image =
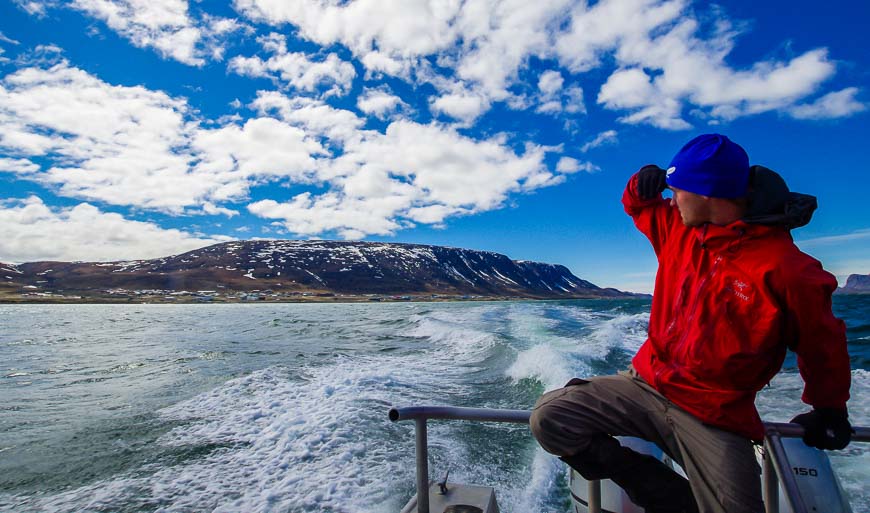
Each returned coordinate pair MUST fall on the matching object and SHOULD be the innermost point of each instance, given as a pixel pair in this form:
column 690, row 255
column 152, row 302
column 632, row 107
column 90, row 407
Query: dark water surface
column 283, row 407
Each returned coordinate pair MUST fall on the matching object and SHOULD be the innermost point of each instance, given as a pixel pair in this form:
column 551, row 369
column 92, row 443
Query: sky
column 134, row 129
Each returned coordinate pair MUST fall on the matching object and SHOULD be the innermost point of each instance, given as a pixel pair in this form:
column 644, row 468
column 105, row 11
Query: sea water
column 283, row 407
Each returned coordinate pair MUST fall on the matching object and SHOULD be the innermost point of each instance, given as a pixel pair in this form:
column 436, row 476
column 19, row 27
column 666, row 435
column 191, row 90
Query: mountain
column 856, row 284
column 276, row 269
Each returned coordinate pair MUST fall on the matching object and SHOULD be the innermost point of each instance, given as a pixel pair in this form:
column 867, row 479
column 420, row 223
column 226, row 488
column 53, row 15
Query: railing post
column 594, row 487
column 422, row 466
column 771, row 484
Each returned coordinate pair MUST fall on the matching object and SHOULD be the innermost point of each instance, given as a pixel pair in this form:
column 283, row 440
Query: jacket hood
column 771, row 202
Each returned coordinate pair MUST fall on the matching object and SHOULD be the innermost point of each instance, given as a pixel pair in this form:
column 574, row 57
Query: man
column 732, row 293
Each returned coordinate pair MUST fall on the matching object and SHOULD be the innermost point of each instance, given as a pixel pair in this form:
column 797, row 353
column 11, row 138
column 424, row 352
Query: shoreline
column 294, row 300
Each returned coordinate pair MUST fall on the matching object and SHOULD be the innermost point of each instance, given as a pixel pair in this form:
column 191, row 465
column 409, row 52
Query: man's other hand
column 826, row 428
column 651, row 181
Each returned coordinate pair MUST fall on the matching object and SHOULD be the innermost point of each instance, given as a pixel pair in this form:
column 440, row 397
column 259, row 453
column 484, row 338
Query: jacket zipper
column 680, row 346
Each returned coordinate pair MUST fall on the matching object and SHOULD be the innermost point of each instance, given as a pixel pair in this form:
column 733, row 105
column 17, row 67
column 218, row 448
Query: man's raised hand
column 651, row 181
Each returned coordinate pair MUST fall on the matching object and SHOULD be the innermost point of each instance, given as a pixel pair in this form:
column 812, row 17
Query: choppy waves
column 307, row 431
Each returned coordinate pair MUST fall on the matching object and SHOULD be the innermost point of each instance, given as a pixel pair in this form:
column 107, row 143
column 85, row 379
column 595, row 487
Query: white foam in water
column 283, row 445
column 310, row 444
column 548, row 358
column 544, row 363
column 626, row 332
column 318, row 445
column 556, row 359
column 553, row 360
column 545, row 469
column 304, row 446
column 545, row 360
column 453, row 331
column 528, row 326
column 319, row 441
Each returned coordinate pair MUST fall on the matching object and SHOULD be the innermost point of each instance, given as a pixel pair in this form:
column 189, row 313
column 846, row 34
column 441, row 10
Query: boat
column 795, row 478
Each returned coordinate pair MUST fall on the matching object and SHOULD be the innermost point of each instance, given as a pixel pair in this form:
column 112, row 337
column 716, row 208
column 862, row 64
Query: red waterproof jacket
column 728, row 301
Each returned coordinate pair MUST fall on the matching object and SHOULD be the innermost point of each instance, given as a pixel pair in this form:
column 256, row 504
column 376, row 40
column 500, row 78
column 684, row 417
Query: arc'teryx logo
column 741, row 290
column 671, row 170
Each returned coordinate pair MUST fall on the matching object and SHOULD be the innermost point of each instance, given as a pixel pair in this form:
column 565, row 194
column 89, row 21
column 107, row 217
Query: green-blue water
column 283, row 407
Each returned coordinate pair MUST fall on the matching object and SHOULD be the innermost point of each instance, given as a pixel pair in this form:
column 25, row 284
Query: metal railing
column 775, row 460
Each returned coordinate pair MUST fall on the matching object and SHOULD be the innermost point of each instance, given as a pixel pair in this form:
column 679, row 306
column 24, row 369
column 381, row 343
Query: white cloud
column 352, row 218
column 295, row 68
column 210, row 208
column 150, row 152
column 442, row 165
column 665, row 58
column 18, row 166
column 550, row 83
column 52, row 112
column 572, row 100
column 499, row 37
column 399, row 29
column 4, row 39
column 216, row 32
column 434, row 214
column 391, row 37
column 604, row 138
column 664, row 65
column 32, row 231
column 383, row 182
column 314, row 116
column 380, row 103
column 146, row 150
column 486, row 43
column 164, row 25
column 832, row 105
column 626, row 88
column 633, row 89
column 549, row 86
column 857, row 235
column 261, row 148
column 594, row 32
column 376, row 62
column 464, row 106
column 35, row 7
column 570, row 165
column 553, row 98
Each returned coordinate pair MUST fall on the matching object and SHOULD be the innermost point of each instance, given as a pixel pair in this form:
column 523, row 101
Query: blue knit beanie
column 711, row 165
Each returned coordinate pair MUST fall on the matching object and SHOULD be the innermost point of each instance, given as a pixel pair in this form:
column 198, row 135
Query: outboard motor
column 816, row 480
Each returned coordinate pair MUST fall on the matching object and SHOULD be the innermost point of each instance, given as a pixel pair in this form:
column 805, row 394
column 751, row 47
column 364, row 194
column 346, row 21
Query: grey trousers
column 721, row 466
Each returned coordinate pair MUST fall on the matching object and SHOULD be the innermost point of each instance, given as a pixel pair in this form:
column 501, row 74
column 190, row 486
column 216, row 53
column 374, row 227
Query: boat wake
column 308, row 432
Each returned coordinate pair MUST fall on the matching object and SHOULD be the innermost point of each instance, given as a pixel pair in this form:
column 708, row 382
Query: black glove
column 651, row 181
column 826, row 428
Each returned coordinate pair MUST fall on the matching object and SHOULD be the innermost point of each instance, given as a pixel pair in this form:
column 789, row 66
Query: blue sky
column 137, row 129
